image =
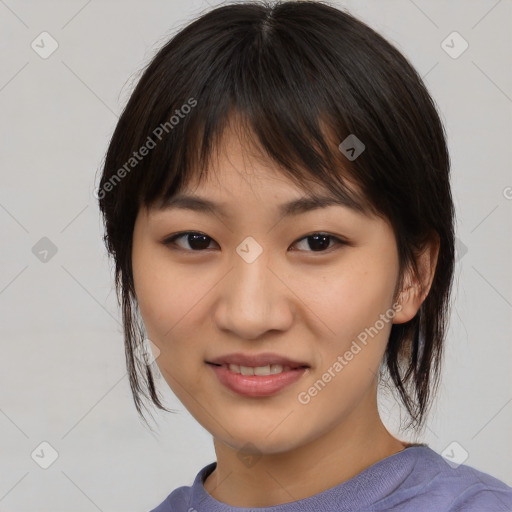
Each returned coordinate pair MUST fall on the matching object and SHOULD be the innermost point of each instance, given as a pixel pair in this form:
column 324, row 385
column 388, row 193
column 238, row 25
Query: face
column 303, row 300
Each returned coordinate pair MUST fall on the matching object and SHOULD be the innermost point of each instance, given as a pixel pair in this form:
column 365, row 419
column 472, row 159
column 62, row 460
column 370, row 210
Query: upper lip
column 257, row 360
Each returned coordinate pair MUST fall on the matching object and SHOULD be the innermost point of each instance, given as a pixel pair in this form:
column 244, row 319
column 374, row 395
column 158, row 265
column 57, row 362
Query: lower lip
column 257, row 385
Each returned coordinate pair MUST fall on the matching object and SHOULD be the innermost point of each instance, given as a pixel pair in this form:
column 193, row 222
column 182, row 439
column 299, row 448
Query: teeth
column 262, row 370
column 269, row 369
column 246, row 370
column 275, row 368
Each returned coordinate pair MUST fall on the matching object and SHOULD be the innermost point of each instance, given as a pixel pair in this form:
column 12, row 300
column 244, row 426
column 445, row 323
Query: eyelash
column 170, row 241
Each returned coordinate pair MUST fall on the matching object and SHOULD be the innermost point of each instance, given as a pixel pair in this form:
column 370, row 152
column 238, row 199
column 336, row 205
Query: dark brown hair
column 301, row 76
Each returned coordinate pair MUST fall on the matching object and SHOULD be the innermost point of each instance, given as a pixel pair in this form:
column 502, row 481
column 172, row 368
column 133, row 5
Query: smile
column 262, row 380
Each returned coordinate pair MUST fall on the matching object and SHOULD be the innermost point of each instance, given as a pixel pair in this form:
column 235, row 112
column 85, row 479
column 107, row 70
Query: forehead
column 237, row 158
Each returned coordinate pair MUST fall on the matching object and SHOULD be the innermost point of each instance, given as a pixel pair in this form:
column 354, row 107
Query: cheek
column 163, row 304
column 171, row 302
column 353, row 298
column 350, row 356
column 349, row 297
column 162, row 294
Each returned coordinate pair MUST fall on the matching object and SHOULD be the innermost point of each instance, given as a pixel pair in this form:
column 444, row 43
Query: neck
column 272, row 479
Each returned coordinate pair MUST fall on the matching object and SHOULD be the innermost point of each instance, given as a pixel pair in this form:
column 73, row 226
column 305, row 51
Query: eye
column 319, row 242
column 198, row 242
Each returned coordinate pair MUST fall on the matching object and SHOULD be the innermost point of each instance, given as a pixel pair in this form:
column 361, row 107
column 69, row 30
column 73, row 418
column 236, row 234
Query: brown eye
column 319, row 242
column 195, row 241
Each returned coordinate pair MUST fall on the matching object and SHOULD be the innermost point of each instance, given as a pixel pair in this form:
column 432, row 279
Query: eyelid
column 170, row 240
column 338, row 240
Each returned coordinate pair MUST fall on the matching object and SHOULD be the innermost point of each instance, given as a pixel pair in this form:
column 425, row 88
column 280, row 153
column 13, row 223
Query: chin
column 257, row 441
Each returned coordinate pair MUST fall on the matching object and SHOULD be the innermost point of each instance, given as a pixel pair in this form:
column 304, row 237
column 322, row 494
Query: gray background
column 62, row 373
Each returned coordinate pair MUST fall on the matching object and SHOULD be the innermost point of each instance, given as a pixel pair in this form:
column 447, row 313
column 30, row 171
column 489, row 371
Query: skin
column 305, row 304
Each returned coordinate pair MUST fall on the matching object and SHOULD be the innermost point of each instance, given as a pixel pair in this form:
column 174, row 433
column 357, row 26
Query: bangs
column 291, row 154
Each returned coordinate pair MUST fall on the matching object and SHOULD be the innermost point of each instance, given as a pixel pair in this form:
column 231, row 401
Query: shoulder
column 177, row 500
column 437, row 483
column 180, row 498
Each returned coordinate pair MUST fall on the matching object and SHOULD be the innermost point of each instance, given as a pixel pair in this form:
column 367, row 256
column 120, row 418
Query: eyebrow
column 292, row 208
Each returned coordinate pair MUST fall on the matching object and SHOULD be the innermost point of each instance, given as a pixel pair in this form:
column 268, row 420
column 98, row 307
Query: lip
column 257, row 360
column 257, row 385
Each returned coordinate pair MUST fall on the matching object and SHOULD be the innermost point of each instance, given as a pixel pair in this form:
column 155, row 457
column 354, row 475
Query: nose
column 253, row 299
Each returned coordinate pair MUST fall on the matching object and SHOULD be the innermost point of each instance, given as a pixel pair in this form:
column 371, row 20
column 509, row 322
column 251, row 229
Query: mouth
column 257, row 364
column 257, row 375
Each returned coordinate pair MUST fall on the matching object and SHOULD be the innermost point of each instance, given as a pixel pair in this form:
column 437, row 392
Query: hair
column 300, row 76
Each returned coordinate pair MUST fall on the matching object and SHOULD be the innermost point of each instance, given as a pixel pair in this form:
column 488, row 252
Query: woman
column 276, row 198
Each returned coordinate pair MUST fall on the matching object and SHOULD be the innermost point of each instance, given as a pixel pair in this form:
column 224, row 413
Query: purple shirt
column 415, row 479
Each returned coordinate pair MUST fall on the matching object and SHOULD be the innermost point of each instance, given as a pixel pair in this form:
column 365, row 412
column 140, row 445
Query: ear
column 416, row 289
